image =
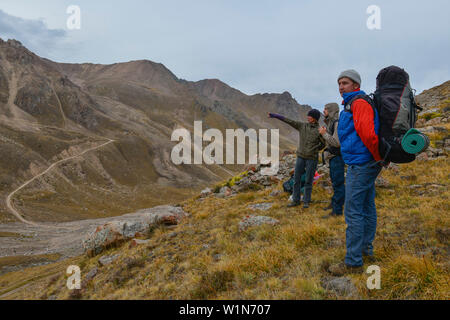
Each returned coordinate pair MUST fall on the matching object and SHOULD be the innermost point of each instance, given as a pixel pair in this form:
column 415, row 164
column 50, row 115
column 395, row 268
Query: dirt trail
column 60, row 105
column 9, row 197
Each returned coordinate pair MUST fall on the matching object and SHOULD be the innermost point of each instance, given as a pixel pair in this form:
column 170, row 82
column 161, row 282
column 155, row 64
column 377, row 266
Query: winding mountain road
column 10, row 196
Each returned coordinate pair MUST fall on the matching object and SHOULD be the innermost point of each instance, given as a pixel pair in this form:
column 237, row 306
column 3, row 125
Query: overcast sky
column 255, row 46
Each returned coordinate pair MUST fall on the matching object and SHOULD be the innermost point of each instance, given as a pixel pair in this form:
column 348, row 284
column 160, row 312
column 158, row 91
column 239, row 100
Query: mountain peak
column 14, row 43
column 216, row 89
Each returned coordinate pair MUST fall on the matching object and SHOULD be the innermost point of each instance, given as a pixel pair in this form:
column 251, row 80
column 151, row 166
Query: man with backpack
column 332, row 154
column 373, row 131
column 310, row 143
column 358, row 135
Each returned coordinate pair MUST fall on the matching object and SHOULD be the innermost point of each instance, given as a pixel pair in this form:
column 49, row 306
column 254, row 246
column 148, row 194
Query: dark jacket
column 310, row 140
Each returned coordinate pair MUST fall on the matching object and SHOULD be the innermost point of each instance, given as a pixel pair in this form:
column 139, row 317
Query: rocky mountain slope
column 237, row 240
column 51, row 111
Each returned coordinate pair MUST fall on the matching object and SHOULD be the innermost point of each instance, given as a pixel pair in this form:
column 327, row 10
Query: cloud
column 33, row 34
column 254, row 46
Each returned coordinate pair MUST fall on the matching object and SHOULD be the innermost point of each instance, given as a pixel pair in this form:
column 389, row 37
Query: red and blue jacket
column 358, row 131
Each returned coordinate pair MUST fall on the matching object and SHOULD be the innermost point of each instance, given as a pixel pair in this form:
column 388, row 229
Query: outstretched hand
column 322, row 130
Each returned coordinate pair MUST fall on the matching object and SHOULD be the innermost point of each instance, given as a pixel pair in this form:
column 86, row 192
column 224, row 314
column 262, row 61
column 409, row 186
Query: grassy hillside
column 50, row 110
column 207, row 257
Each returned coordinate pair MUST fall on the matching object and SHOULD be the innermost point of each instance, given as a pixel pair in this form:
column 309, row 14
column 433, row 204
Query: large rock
column 105, row 260
column 112, row 233
column 422, row 157
column 260, row 206
column 434, row 121
column 137, row 242
column 116, row 232
column 381, row 182
column 342, row 286
column 251, row 221
column 167, row 215
column 420, row 123
column 205, row 192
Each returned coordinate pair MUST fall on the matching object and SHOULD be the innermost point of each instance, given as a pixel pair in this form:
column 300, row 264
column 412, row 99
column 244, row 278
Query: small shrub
column 431, row 115
column 212, row 283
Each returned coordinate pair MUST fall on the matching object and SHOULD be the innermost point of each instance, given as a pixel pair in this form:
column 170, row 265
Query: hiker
column 358, row 135
column 332, row 154
column 310, row 143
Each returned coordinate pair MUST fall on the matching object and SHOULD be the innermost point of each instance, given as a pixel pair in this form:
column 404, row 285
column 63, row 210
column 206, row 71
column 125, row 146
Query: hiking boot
column 305, row 205
column 328, row 208
column 369, row 258
column 341, row 269
column 332, row 214
column 293, row 204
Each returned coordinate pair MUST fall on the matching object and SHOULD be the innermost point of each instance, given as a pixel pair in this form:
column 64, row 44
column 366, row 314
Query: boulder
column 166, row 215
column 446, row 142
column 434, row 152
column 251, row 221
column 275, row 193
column 205, row 192
column 381, row 182
column 91, row 274
column 422, row 157
column 342, row 286
column 115, row 232
column 110, row 234
column 260, row 206
column 428, row 129
column 226, row 191
column 394, row 167
column 434, row 121
column 105, row 260
column 420, row 123
column 409, row 178
column 136, row 242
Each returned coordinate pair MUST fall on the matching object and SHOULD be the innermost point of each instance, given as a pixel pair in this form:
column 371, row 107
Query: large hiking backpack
column 397, row 112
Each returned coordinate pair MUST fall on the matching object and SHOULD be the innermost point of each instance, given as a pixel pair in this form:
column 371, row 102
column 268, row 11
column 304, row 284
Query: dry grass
column 10, row 234
column 26, row 260
column 207, row 257
column 32, row 283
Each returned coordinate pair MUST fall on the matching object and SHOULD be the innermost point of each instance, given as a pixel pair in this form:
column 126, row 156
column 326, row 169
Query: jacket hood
column 333, row 111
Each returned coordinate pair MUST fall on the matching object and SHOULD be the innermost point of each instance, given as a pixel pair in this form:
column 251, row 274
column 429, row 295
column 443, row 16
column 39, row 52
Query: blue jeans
column 360, row 211
column 308, row 167
column 337, row 176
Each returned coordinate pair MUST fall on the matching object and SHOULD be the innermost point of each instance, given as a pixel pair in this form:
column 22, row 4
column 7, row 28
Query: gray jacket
column 331, row 136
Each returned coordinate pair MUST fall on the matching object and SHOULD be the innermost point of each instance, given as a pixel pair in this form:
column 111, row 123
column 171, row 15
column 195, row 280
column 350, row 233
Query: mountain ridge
column 46, row 108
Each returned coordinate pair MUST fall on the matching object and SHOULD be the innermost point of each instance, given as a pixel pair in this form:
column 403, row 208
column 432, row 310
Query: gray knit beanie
column 351, row 74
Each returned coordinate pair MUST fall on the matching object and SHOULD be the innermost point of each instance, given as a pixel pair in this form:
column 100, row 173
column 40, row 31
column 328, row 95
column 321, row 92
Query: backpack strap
column 372, row 100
